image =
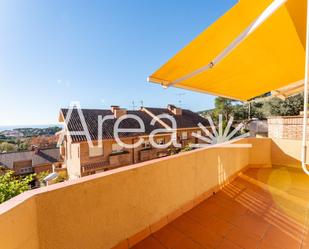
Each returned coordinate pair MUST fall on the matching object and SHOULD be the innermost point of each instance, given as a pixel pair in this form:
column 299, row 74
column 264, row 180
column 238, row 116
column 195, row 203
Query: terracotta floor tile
column 283, row 239
column 227, row 208
column 133, row 240
column 216, row 224
column 228, row 193
column 266, row 245
column 187, row 243
column 254, row 200
column 240, row 216
column 287, row 222
column 305, row 243
column 229, row 214
column 243, row 239
column 169, row 236
column 225, row 244
column 149, row 243
column 253, row 223
column 208, row 207
column 241, row 183
column 292, row 214
column 195, row 231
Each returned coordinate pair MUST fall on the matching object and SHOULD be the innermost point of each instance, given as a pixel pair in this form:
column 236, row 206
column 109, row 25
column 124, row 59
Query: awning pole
column 305, row 120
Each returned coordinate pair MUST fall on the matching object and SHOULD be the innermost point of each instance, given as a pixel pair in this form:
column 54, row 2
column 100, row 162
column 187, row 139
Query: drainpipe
column 305, row 120
column 133, row 157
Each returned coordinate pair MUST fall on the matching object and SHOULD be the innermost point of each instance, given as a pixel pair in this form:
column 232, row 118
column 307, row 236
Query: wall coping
column 285, row 117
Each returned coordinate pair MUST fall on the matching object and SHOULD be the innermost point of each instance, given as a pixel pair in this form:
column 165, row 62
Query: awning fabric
column 290, row 90
column 273, row 56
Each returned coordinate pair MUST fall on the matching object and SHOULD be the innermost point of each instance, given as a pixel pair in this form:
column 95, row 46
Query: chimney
column 175, row 110
column 114, row 107
column 117, row 111
column 35, row 149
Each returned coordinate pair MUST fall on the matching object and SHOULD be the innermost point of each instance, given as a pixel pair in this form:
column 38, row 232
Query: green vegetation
column 21, row 139
column 11, row 185
column 261, row 108
column 8, row 147
column 62, row 176
column 40, row 177
column 188, row 147
column 33, row 132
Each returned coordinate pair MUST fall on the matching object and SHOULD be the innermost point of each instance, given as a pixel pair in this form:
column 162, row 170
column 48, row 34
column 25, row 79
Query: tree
column 7, row 147
column 260, row 108
column 40, row 177
column 223, row 106
column 44, row 141
column 289, row 107
column 11, row 185
column 62, row 176
column 22, row 146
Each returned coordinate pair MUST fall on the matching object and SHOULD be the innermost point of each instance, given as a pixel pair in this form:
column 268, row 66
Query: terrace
column 207, row 198
column 212, row 198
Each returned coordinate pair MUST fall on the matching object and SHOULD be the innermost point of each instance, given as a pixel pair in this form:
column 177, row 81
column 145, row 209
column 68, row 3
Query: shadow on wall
column 286, row 152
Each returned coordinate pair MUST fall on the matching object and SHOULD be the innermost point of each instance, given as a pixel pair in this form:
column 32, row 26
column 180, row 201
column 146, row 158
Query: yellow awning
column 270, row 57
column 289, row 90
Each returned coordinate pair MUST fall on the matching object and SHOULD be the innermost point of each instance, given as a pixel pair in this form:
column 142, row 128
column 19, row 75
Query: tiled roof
column 188, row 119
column 91, row 120
column 45, row 156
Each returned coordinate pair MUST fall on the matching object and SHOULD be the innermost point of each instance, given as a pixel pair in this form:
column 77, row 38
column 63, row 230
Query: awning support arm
column 275, row 5
column 305, row 118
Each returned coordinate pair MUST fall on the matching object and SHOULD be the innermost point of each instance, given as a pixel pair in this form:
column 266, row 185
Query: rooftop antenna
column 133, row 105
column 179, row 100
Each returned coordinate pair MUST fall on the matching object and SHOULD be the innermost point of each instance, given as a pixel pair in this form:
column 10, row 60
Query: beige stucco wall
column 287, row 152
column 72, row 160
column 98, row 211
column 260, row 153
column 18, row 226
column 119, row 205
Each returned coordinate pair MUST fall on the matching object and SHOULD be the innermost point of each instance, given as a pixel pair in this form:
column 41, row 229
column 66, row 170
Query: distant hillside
column 206, row 112
column 32, row 132
column 21, row 139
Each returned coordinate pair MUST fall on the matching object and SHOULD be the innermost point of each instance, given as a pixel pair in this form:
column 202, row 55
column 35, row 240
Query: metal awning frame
column 271, row 9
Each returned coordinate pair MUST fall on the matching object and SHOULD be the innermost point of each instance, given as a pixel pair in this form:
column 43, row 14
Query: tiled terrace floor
column 244, row 215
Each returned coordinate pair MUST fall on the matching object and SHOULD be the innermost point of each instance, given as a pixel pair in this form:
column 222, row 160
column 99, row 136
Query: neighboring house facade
column 286, row 127
column 81, row 160
column 34, row 161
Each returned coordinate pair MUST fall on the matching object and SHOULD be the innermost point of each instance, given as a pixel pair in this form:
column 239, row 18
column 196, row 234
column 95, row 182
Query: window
column 26, row 170
column 116, row 148
column 95, row 151
column 198, row 132
column 184, row 135
column 146, row 144
column 160, row 141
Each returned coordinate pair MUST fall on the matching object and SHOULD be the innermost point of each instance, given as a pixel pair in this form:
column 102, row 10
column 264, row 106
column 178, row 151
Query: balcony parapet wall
column 102, row 210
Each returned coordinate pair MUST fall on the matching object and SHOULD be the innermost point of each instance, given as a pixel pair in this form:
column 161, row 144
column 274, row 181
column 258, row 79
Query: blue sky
column 96, row 52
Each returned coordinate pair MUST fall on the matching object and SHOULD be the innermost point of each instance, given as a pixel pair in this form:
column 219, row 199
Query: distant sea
column 12, row 127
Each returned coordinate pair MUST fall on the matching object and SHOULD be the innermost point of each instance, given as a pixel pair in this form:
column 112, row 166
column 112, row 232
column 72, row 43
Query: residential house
column 34, row 161
column 80, row 159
